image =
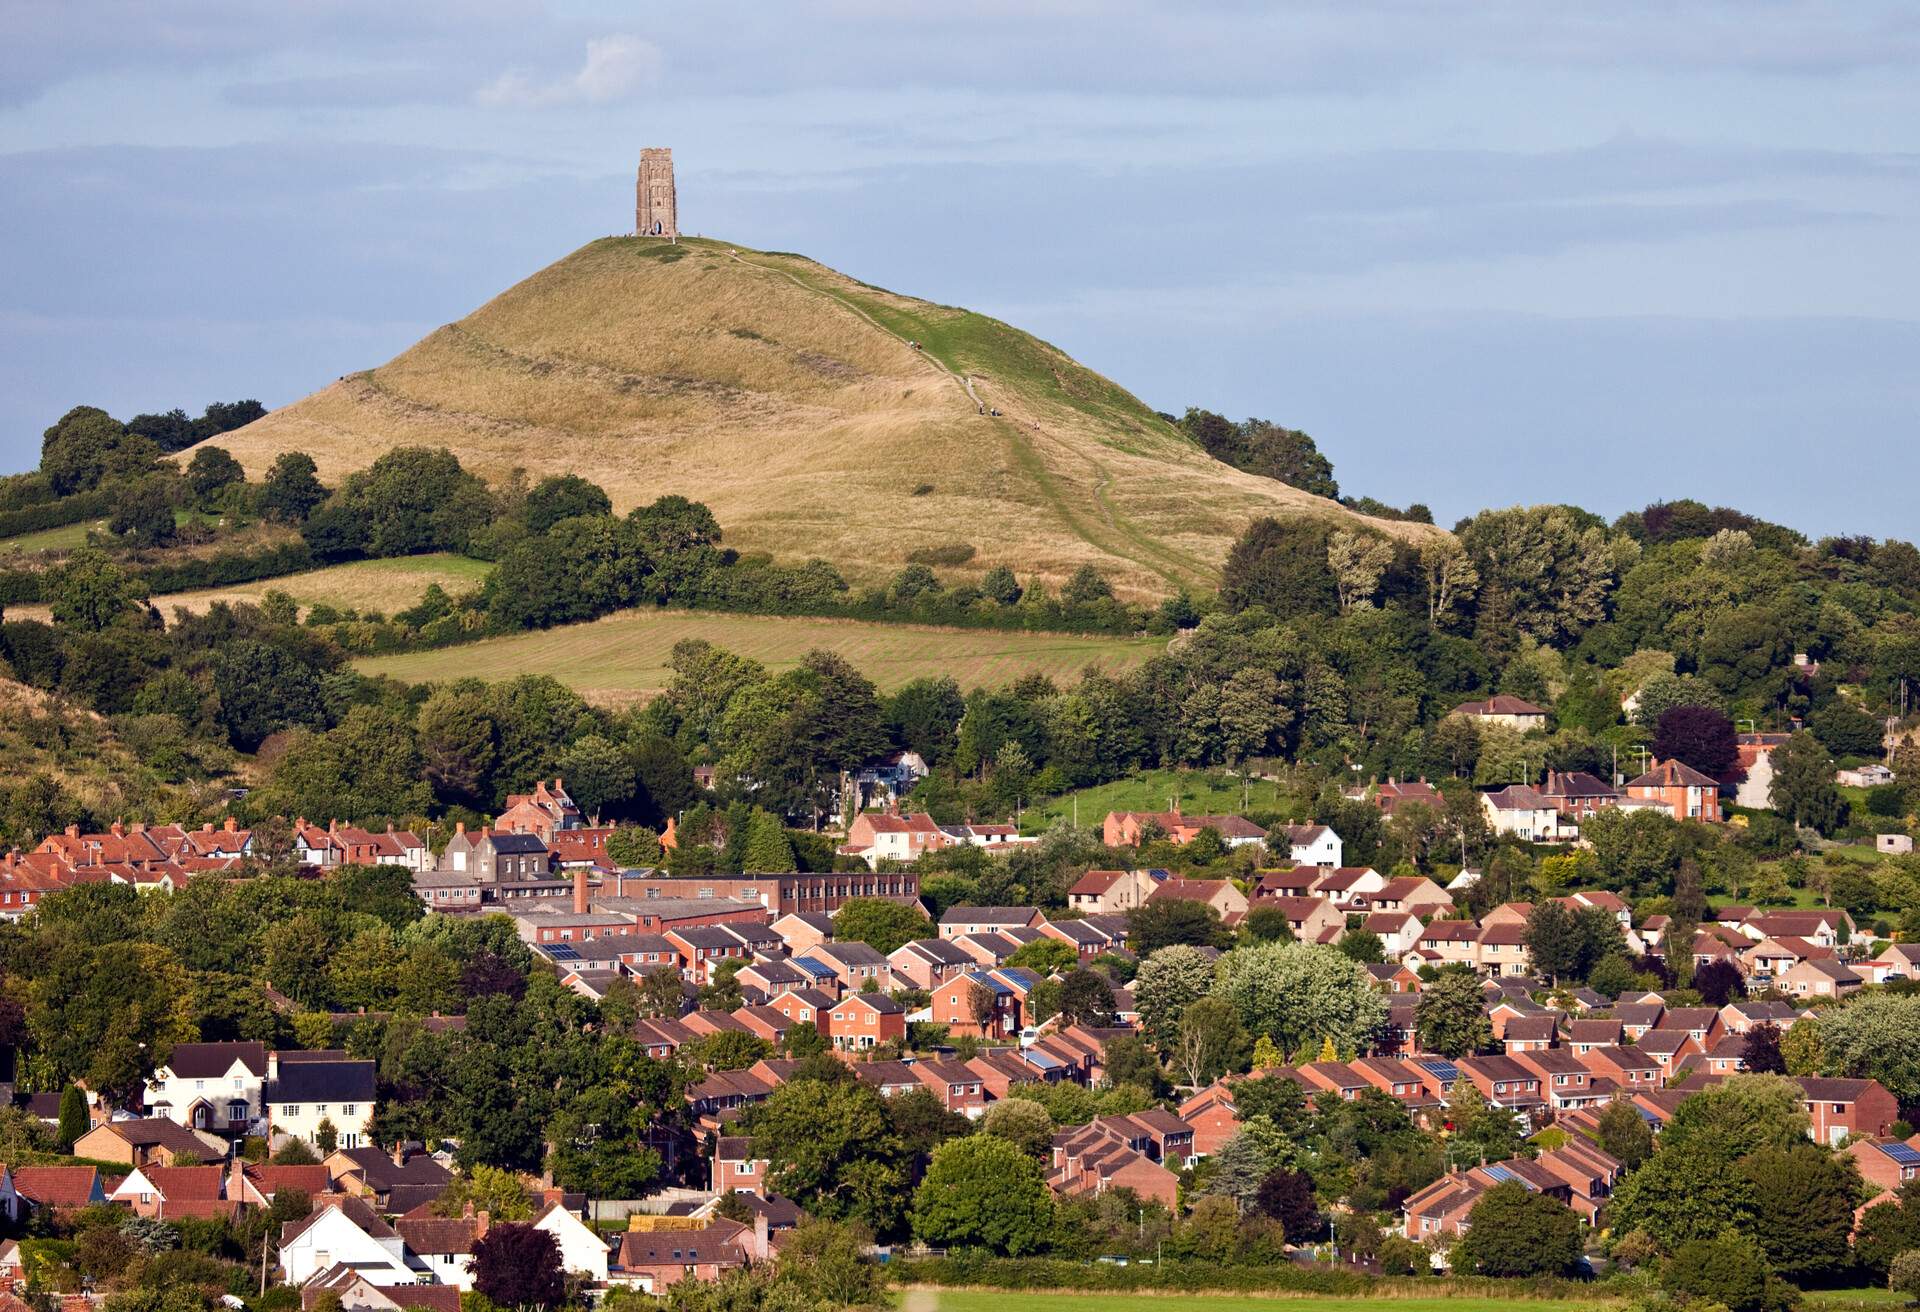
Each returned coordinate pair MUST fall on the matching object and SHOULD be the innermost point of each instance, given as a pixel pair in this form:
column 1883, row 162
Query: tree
column 1449, row 576
column 1514, row 1232
column 1357, row 561
column 828, row 1261
column 1552, row 572
column 1299, row 994
column 211, row 471
column 90, row 592
column 983, row 1191
column 73, row 1117
column 1625, row 1134
column 518, row 1266
column 291, row 489
column 1450, row 1015
column 1086, row 998
column 1045, row 956
column 326, row 1136
column 1266, row 924
column 563, row 496
column 1564, row 942
column 1803, row 1208
column 1263, row 448
column 1903, row 1276
column 768, row 850
column 1698, row 736
column 881, row 924
column 1024, row 1124
column 598, row 774
column 1724, row 1269
column 1742, row 1114
column 88, row 448
column 1762, row 1055
column 832, row 1149
column 1164, row 922
column 1873, row 1037
column 143, row 513
column 1717, row 983
column 1362, row 946
column 1287, row 1196
column 1165, row 984
column 1281, row 567
column 1210, row 1043
column 263, row 689
column 1803, row 789
column 1681, row 1194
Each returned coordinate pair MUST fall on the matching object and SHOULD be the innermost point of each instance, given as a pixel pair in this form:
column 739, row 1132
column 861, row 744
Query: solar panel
column 1444, row 1071
column 1901, row 1154
column 1501, row 1173
column 561, row 952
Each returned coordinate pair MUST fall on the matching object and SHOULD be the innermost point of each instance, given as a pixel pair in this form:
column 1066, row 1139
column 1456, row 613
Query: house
column 1523, row 812
column 1393, row 793
column 1510, row 712
column 164, row 1192
column 1625, row 1065
column 1577, row 794
column 1220, row 894
column 1565, row 1080
column 865, row 1020
column 927, row 963
column 735, row 1168
column 583, row 1252
column 58, row 1187
column 1827, row 927
column 304, row 1090
column 701, row 949
column 1502, row 950
column 1128, row 828
column 1682, row 790
column 1451, row 942
column 881, row 783
column 655, row 1253
column 805, row 1006
column 977, row 1003
column 393, row 1182
column 495, row 856
column 149, row 1141
column 1820, row 978
column 957, row 1085
column 1896, row 961
column 1414, row 893
column 1837, row 1108
column 1312, row 845
column 356, row 1293
column 1749, row 782
column 1590, row 1172
column 1864, row 776
column 1311, row 919
column 346, row 1231
column 803, row 931
column 855, row 965
column 1504, row 1082
column 545, row 811
column 1393, row 976
column 1397, row 931
column 1886, row 1164
column 1442, row 1208
column 963, row 920
column 1611, row 903
column 1350, row 887
column 876, row 837
column 1110, row 892
column 443, row 1245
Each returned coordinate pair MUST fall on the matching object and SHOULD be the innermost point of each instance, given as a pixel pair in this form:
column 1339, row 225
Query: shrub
column 950, row 553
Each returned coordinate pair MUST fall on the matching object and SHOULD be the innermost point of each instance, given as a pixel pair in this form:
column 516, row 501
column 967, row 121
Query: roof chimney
column 232, row 825
column 459, row 826
column 115, row 829
column 580, row 891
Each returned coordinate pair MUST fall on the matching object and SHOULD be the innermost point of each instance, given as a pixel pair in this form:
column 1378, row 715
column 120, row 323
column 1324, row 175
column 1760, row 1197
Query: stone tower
column 654, row 211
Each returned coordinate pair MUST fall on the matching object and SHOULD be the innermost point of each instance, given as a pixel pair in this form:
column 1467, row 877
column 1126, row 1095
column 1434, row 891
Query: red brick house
column 865, row 1020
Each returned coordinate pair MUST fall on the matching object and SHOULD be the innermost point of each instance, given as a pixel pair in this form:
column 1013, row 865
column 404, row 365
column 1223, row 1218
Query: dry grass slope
column 784, row 395
column 623, row 658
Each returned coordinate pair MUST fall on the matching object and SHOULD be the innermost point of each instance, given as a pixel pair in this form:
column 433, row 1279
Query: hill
column 792, row 400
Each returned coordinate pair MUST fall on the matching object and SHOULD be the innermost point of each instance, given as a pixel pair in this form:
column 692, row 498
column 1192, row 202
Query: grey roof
column 518, row 843
column 322, row 1081
column 199, row 1061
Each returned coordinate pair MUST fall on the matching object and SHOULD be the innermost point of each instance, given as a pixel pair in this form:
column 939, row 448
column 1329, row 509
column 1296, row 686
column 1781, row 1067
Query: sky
column 1488, row 252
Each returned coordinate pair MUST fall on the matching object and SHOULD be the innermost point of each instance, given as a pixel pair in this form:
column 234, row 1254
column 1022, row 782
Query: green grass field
column 624, row 657
column 64, row 538
column 1000, row 1300
column 1199, row 792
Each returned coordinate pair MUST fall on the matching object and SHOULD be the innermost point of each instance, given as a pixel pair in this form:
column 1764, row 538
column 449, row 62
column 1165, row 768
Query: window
column 291, row 1109
column 346, row 1109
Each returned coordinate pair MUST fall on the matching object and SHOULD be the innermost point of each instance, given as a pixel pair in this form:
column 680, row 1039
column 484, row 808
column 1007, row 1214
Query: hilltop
column 793, row 400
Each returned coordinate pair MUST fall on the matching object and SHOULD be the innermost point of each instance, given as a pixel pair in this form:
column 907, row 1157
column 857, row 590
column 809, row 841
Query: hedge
column 981, row 1271
column 75, row 509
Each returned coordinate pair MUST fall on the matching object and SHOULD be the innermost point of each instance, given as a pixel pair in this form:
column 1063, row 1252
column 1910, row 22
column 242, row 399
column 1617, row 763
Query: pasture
column 623, row 658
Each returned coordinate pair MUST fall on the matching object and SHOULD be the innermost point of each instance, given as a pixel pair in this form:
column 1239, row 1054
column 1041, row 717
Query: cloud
column 616, row 67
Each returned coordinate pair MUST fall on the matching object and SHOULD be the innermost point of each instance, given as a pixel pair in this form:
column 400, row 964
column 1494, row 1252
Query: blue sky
column 1486, row 252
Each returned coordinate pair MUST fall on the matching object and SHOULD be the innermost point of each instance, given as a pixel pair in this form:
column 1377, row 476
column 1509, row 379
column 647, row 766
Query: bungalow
column 961, row 920
column 656, row 1253
column 1824, row 978
column 1393, row 794
column 149, row 1141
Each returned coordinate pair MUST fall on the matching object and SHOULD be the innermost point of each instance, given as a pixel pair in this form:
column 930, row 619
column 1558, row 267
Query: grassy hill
column 623, row 657
column 787, row 397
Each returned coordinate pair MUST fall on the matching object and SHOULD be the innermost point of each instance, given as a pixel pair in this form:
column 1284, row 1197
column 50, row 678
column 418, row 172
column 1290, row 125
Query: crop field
column 363, row 585
column 1000, row 1300
column 623, row 658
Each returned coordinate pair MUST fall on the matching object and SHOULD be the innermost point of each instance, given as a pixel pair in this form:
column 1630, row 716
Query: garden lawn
column 1001, row 1300
column 623, row 658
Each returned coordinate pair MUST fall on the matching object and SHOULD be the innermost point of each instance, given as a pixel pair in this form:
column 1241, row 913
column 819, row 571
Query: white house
column 1313, row 845
column 211, row 1086
column 582, row 1252
column 305, row 1090
column 442, row 1246
column 347, row 1231
column 1523, row 812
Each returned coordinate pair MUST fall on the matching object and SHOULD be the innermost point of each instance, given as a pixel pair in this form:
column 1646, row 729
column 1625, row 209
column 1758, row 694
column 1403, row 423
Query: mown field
column 1000, row 1300
column 64, row 538
column 624, row 657
column 363, row 585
